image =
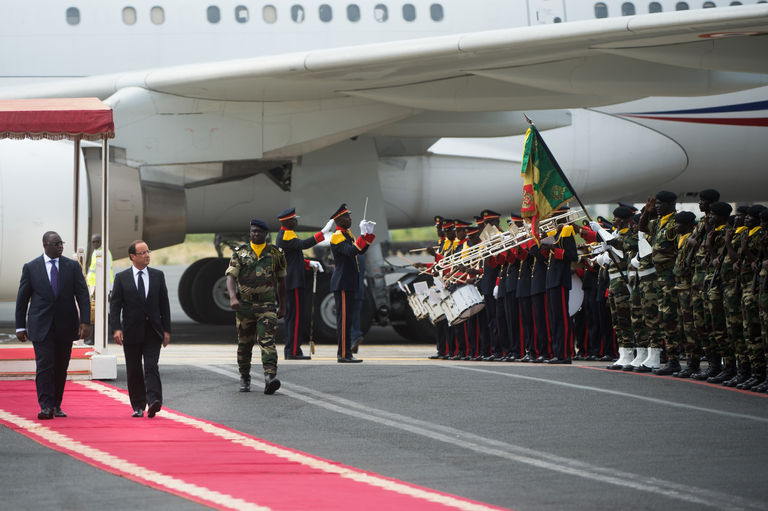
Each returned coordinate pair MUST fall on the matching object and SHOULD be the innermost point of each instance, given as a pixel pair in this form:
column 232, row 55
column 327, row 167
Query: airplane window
column 297, row 13
column 326, row 13
column 735, row 3
column 213, row 13
column 381, row 13
column 627, row 9
column 353, row 12
column 73, row 15
column 269, row 14
column 409, row 12
column 708, row 5
column 601, row 10
column 682, row 6
column 436, row 12
column 654, row 7
column 129, row 15
column 241, row 14
column 157, row 15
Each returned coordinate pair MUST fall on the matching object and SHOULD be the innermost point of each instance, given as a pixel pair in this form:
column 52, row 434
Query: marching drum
column 417, row 306
column 467, row 300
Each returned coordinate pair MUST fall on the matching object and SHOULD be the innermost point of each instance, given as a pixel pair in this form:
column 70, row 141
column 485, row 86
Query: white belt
column 616, row 275
column 646, row 272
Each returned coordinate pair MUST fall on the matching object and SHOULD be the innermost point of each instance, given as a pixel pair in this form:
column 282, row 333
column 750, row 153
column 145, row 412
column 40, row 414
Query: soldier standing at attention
column 296, row 310
column 763, row 292
column 618, row 292
column 663, row 239
column 255, row 280
column 559, row 256
column 732, row 295
column 345, row 277
column 685, row 222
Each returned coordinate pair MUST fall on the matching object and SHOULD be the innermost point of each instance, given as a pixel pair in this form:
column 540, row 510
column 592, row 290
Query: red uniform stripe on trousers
column 343, row 324
column 566, row 330
column 296, row 322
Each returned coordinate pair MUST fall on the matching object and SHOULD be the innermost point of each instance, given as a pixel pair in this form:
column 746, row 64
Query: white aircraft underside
column 217, row 123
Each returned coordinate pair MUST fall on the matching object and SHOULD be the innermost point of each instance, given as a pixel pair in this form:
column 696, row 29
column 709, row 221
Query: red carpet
column 203, row 461
column 28, row 353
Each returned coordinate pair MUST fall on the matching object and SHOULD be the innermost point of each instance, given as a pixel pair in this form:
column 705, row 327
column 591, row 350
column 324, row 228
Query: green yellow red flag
column 545, row 187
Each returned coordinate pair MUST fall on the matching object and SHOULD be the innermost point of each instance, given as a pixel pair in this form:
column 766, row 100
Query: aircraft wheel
column 209, row 293
column 324, row 311
column 419, row 330
column 185, row 288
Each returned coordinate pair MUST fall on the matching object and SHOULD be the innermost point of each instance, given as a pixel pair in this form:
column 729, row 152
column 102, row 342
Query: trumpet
column 569, row 217
column 492, row 246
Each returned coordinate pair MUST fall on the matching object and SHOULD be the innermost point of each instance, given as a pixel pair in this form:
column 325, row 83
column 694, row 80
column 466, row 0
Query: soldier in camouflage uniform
column 715, row 242
column 732, row 297
column 663, row 238
column 685, row 222
column 748, row 271
column 763, row 293
column 255, row 280
column 700, row 258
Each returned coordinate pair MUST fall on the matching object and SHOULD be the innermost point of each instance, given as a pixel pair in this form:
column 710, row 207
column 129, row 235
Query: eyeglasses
column 143, row 253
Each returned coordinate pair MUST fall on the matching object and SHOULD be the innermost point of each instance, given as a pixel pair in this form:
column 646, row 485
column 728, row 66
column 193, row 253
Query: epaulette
column 741, row 229
column 567, row 231
column 338, row 237
column 288, row 235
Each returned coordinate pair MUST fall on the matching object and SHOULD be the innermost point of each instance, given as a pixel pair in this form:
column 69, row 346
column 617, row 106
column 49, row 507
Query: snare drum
column 417, row 306
column 469, row 300
column 450, row 309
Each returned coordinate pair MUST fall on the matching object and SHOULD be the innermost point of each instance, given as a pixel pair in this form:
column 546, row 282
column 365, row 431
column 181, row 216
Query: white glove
column 599, row 250
column 366, row 227
column 594, row 226
column 635, row 262
column 496, row 292
column 316, row 266
column 328, row 229
column 644, row 248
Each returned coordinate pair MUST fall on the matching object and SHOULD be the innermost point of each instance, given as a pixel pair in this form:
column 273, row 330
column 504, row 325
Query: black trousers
column 487, row 325
column 144, row 385
column 592, row 343
column 541, row 325
column 343, row 301
column 526, row 319
column 297, row 312
column 514, row 325
column 503, row 341
column 51, row 362
column 441, row 337
column 560, row 324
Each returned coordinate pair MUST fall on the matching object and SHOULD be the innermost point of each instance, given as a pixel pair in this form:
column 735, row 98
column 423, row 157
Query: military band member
column 296, row 310
column 441, row 327
column 560, row 254
column 488, row 321
column 255, row 281
column 344, row 280
column 512, row 307
column 523, row 295
column 539, row 305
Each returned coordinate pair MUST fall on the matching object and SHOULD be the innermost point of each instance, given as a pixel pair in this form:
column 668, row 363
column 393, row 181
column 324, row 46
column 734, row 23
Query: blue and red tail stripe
column 754, row 113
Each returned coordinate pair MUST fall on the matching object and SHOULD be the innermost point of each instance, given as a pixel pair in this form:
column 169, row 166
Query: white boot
column 642, row 353
column 625, row 357
column 653, row 360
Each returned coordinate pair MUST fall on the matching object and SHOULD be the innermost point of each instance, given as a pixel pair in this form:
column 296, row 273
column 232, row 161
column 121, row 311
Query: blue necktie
column 54, row 278
column 140, row 286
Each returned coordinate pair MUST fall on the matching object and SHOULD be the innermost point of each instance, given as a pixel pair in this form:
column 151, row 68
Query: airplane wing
column 294, row 103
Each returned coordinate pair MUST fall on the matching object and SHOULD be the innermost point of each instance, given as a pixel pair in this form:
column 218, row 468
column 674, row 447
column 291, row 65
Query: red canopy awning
column 56, row 119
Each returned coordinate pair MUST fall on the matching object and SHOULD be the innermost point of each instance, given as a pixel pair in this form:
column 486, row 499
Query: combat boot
column 726, row 374
column 245, row 384
column 710, row 372
column 271, row 384
column 688, row 371
column 742, row 375
column 756, row 379
column 671, row 367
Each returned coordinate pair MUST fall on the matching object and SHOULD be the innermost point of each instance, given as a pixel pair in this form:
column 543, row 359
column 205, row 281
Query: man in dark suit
column 53, row 283
column 140, row 294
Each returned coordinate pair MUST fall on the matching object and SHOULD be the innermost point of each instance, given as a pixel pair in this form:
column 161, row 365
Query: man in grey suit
column 52, row 301
column 140, row 294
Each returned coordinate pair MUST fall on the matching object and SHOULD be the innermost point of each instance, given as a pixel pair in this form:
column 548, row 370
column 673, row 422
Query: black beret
column 260, row 223
column 720, row 208
column 764, row 215
column 622, row 212
column 756, row 210
column 666, row 196
column 709, row 195
column 685, row 217
column 626, row 205
column 742, row 209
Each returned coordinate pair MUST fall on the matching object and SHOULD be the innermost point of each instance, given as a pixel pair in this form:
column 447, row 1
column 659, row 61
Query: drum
column 468, row 301
column 417, row 306
column 450, row 309
column 435, row 311
column 576, row 296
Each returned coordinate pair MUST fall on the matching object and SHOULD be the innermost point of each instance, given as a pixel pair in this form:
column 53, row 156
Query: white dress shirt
column 144, row 277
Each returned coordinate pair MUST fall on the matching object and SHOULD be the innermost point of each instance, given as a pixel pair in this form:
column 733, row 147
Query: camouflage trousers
column 686, row 323
column 750, row 309
column 718, row 333
column 639, row 328
column 669, row 321
column 763, row 306
column 256, row 324
column 621, row 312
column 701, row 318
column 649, row 295
column 734, row 320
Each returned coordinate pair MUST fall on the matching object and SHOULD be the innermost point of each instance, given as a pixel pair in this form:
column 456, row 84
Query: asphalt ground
column 519, row 436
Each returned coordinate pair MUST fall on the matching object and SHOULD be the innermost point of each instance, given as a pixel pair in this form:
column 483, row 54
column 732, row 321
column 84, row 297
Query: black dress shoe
column 526, row 358
column 138, row 413
column 45, row 414
column 298, row 357
column 539, row 360
column 555, row 360
column 245, row 384
column 435, row 357
column 271, row 384
column 591, row 358
column 643, row 369
column 356, row 344
column 353, row 360
column 154, row 408
column 673, row 366
column 608, row 358
column 58, row 412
